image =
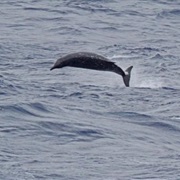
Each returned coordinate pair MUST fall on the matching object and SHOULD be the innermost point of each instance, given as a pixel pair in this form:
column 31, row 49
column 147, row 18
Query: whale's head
column 52, row 68
column 58, row 64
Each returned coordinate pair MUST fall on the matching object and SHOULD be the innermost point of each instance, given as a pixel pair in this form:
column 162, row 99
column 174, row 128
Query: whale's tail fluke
column 127, row 76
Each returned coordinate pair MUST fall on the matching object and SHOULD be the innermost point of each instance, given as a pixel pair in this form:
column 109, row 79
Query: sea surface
column 77, row 124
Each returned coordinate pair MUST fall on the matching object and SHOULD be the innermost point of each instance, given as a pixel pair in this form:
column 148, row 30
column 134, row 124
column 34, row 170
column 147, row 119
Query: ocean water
column 72, row 123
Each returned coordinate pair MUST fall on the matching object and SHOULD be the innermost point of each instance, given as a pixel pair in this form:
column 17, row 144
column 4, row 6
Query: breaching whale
column 93, row 61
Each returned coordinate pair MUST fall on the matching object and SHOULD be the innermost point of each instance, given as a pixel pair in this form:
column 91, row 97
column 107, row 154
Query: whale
column 92, row 61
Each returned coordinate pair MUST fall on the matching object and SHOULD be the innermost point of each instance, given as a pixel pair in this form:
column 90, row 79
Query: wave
column 70, row 132
column 91, row 6
column 8, row 87
column 161, row 124
column 25, row 111
column 169, row 13
column 152, row 121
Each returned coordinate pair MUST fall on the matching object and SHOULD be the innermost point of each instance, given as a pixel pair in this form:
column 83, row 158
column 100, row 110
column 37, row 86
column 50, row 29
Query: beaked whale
column 93, row 61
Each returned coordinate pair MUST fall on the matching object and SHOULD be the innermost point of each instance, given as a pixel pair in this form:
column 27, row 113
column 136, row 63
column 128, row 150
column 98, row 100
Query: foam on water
column 149, row 83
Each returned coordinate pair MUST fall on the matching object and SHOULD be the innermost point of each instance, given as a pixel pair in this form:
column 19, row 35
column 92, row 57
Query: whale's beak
column 52, row 68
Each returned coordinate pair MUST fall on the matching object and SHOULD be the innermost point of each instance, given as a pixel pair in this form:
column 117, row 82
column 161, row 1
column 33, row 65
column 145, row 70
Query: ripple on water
column 24, row 111
column 169, row 13
column 69, row 132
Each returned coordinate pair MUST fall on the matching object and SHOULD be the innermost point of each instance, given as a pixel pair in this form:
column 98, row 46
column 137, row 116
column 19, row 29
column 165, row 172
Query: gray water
column 74, row 123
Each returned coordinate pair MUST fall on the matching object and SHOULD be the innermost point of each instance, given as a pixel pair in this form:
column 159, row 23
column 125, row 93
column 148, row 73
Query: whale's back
column 84, row 60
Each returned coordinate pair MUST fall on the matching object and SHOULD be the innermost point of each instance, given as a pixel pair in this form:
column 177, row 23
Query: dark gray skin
column 89, row 61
